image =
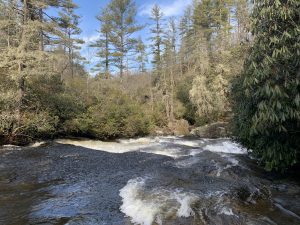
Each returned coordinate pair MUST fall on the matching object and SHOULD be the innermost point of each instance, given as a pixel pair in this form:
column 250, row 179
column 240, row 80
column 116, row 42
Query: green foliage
column 157, row 36
column 141, row 57
column 35, row 123
column 112, row 117
column 38, row 125
column 183, row 95
column 267, row 94
column 33, row 126
column 123, row 25
column 211, row 16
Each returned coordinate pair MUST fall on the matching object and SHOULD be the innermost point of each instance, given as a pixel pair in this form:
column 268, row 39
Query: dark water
column 147, row 181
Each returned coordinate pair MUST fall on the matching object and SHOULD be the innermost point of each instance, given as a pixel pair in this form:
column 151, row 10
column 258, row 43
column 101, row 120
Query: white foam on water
column 232, row 161
column 180, row 141
column 218, row 194
column 159, row 145
column 145, row 207
column 171, row 152
column 141, row 212
column 196, row 151
column 226, row 211
column 10, row 147
column 112, row 147
column 145, row 140
column 226, row 147
column 37, row 144
column 185, row 201
column 169, row 137
column 188, row 143
column 147, row 145
column 187, row 162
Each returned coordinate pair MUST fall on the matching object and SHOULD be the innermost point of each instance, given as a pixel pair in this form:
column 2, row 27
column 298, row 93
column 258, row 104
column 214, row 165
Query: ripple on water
column 204, row 182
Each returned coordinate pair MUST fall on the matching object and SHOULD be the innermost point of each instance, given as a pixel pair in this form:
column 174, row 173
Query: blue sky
column 89, row 9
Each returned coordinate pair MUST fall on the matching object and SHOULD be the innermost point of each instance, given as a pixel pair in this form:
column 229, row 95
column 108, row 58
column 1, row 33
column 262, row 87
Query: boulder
column 213, row 130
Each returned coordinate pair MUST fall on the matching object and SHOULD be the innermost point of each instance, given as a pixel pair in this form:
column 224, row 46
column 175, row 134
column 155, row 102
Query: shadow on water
column 17, row 200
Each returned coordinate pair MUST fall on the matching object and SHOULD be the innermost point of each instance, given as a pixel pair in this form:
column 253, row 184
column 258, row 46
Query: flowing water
column 147, row 181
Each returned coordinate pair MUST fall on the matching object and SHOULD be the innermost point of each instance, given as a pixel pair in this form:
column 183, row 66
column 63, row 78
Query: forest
column 230, row 61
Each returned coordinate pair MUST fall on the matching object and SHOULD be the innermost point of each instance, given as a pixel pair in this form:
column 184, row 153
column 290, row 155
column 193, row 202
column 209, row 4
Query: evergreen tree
column 8, row 22
column 210, row 59
column 186, row 23
column 210, row 16
column 23, row 59
column 104, row 44
column 267, row 95
column 187, row 35
column 123, row 26
column 141, row 55
column 69, row 22
column 157, row 36
column 169, row 62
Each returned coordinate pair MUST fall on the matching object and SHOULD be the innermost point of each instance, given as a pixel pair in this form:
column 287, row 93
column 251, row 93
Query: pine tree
column 267, row 93
column 69, row 22
column 186, row 23
column 103, row 44
column 23, row 58
column 210, row 16
column 187, row 37
column 141, row 55
column 157, row 36
column 123, row 26
column 209, row 59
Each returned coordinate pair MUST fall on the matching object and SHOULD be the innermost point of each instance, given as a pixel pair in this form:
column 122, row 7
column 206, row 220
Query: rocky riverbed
column 161, row 180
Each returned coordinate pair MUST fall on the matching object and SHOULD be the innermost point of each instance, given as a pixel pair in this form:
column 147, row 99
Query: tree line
column 234, row 61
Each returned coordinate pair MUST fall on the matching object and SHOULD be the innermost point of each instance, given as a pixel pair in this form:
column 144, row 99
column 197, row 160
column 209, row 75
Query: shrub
column 113, row 116
column 267, row 102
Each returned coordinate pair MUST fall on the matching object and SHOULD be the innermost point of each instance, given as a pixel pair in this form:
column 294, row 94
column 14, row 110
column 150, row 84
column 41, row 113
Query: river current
column 147, row 181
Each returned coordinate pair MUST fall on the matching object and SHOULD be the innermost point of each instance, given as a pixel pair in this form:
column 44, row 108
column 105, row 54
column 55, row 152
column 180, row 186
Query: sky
column 89, row 9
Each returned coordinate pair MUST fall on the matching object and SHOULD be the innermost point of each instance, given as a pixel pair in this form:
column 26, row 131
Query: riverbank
column 177, row 128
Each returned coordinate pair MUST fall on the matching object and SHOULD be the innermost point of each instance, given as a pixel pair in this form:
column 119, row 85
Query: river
column 148, row 181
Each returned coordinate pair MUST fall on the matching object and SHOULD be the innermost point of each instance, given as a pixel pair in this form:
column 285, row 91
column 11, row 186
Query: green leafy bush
column 113, row 116
column 183, row 95
column 267, row 99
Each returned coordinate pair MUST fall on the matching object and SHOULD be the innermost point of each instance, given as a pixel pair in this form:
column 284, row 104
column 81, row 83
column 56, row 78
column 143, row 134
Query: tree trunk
column 152, row 99
column 71, row 55
column 41, row 45
column 172, row 117
column 21, row 92
column 106, row 56
column 21, row 78
column 121, row 66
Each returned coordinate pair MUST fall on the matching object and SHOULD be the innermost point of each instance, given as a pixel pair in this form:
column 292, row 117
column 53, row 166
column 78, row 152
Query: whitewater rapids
column 157, row 204
column 145, row 181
